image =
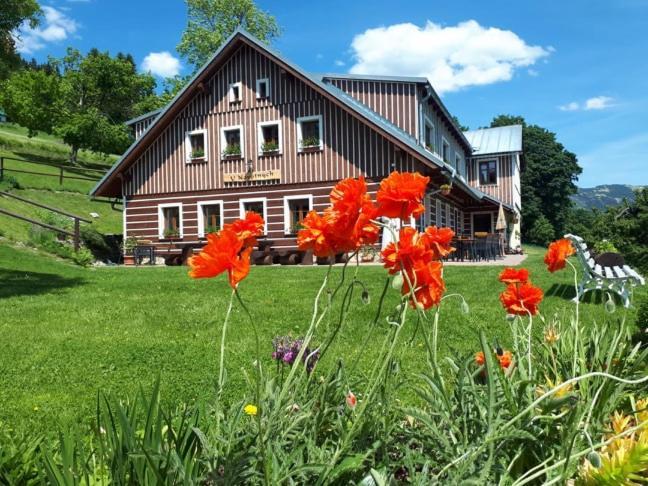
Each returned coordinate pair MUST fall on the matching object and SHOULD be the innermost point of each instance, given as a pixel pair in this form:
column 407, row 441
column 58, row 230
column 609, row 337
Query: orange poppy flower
column 428, row 284
column 351, row 400
column 521, row 299
column 411, row 247
column 400, row 195
column 504, row 358
column 313, row 235
column 248, row 229
column 439, row 240
column 224, row 252
column 557, row 254
column 514, row 276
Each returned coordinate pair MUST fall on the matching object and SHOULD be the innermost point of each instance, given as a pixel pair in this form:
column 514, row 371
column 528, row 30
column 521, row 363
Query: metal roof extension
column 495, row 140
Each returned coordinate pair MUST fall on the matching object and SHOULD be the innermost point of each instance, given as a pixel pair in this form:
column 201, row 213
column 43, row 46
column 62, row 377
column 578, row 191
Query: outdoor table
column 142, row 251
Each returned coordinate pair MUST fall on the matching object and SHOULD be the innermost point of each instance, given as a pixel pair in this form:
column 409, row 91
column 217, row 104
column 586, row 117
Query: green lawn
column 68, row 331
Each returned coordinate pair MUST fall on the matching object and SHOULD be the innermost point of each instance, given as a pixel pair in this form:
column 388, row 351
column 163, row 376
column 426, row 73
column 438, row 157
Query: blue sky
column 578, row 68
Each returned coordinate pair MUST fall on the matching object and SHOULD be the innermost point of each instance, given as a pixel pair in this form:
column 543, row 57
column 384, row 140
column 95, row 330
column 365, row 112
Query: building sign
column 256, row 175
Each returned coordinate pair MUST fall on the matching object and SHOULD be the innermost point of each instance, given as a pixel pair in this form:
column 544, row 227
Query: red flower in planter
column 557, row 254
column 514, row 276
column 224, row 252
column 439, row 240
column 247, row 229
column 400, row 195
column 521, row 299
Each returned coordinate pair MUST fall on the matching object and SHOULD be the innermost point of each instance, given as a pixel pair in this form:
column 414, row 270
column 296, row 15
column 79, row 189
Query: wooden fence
column 61, row 170
column 76, row 234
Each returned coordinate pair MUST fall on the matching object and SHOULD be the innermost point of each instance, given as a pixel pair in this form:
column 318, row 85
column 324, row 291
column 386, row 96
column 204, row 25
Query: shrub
column 83, row 257
column 542, row 232
column 8, row 182
column 605, row 246
column 95, row 242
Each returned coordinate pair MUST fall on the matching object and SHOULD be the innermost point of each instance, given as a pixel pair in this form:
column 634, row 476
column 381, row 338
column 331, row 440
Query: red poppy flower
column 248, row 229
column 428, row 283
column 439, row 240
column 514, row 276
column 351, row 400
column 504, row 358
column 400, row 195
column 521, row 299
column 224, row 252
column 557, row 254
column 410, row 248
column 313, row 235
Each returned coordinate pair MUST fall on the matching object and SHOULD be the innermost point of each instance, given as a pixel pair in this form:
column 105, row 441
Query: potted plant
column 445, row 189
column 270, row 147
column 232, row 151
column 198, row 154
column 310, row 144
column 129, row 245
column 171, row 234
column 211, row 229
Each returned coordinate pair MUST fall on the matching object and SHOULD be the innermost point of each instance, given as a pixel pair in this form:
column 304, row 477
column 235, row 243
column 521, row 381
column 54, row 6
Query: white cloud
column 452, row 57
column 162, row 64
column 598, row 103
column 338, row 62
column 55, row 27
column 595, row 103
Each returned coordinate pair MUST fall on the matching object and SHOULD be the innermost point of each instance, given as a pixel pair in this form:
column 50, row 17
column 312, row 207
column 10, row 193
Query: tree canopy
column 12, row 14
column 85, row 100
column 548, row 179
column 211, row 22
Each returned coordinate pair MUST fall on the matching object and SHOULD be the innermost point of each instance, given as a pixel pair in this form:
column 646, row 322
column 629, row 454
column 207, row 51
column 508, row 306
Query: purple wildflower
column 287, row 349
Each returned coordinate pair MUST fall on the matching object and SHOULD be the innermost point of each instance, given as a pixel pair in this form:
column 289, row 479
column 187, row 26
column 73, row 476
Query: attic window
column 487, row 172
column 445, row 151
column 263, row 89
column 196, row 146
column 236, row 92
column 232, row 142
column 428, row 135
column 269, row 137
column 309, row 133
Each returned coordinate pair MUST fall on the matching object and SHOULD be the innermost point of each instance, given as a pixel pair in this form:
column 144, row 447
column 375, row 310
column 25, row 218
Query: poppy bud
column 594, row 459
column 351, row 400
column 610, row 306
column 465, row 308
column 397, row 281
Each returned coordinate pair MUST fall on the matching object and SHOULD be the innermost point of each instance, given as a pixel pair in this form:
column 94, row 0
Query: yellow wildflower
column 250, row 409
column 551, row 335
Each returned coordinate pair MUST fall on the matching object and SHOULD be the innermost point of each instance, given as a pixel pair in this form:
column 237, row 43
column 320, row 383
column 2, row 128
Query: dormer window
column 309, row 133
column 487, row 173
column 196, row 146
column 428, row 135
column 232, row 142
column 263, row 89
column 445, row 151
column 236, row 92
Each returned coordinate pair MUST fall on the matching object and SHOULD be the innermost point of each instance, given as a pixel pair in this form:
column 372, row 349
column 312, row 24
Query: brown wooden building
column 252, row 131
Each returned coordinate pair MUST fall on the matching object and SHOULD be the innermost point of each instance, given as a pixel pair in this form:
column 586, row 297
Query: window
column 263, row 89
column 482, row 223
column 458, row 164
column 196, row 146
column 170, row 221
column 309, row 133
column 428, row 135
column 445, row 151
column 487, row 172
column 270, row 137
column 295, row 210
column 210, row 217
column 258, row 206
column 232, row 142
column 236, row 92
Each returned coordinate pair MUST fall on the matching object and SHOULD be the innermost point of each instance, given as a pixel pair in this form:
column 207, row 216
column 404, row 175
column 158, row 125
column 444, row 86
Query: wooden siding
column 503, row 190
column 395, row 101
column 351, row 148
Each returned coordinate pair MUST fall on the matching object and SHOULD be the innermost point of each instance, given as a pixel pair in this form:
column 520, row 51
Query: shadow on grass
column 562, row 291
column 62, row 160
column 16, row 283
column 567, row 292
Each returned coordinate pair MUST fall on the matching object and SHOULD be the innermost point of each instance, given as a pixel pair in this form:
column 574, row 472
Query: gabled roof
column 396, row 134
column 150, row 114
column 496, row 140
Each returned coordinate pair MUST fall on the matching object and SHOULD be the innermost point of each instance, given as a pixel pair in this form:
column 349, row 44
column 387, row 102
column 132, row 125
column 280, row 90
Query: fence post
column 1, row 168
column 77, row 235
column 61, row 176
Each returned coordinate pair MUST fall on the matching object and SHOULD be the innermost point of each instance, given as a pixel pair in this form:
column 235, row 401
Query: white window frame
column 445, row 142
column 238, row 85
column 201, row 216
column 260, row 126
column 265, row 210
column 303, row 119
column 287, row 200
column 161, row 207
column 479, row 161
column 188, row 149
column 241, row 138
column 427, row 121
column 457, row 162
column 258, row 88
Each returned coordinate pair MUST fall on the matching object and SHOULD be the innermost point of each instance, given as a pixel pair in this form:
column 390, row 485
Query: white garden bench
column 620, row 280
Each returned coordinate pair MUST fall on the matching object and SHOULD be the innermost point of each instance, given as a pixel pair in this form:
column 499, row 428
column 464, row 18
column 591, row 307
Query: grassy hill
column 46, row 154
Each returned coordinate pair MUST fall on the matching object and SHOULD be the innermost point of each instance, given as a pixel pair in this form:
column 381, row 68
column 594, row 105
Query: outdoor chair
column 620, row 280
